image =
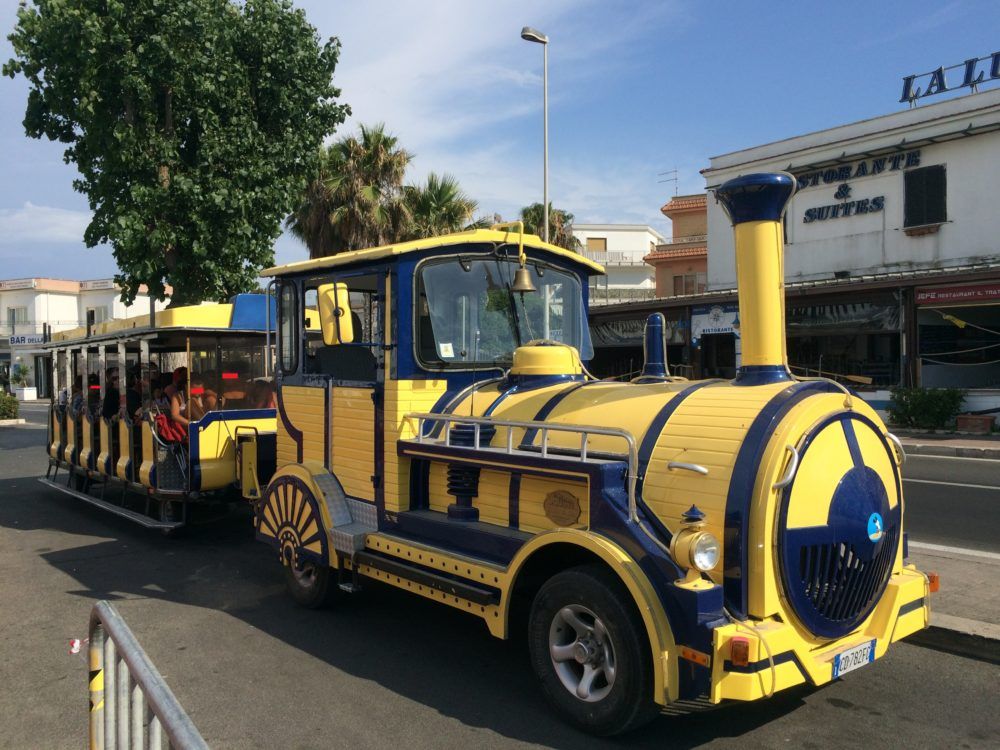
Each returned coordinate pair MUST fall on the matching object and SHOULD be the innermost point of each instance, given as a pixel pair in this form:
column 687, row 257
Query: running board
column 139, row 518
column 468, row 591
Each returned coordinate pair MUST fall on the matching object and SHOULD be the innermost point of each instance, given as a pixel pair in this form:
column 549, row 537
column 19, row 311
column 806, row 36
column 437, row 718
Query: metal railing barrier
column 130, row 704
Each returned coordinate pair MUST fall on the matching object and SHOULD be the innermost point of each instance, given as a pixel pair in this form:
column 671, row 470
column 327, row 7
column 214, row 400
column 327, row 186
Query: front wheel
column 310, row 584
column 590, row 651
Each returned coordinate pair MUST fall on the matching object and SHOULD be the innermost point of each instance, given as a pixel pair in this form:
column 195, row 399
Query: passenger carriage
column 128, row 460
column 655, row 540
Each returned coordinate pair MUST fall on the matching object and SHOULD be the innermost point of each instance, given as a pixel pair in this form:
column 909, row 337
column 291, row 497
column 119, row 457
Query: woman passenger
column 177, row 393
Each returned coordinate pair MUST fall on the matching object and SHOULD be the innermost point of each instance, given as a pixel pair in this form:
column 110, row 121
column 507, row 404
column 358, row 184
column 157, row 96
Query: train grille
column 840, row 584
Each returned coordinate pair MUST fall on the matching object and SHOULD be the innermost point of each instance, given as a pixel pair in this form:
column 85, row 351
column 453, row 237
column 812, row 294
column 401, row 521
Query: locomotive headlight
column 704, row 551
column 692, row 547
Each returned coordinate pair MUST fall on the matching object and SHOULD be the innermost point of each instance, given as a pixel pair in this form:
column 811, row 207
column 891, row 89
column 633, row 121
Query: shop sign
column 941, row 295
column 17, row 284
column 851, row 316
column 27, row 339
column 632, row 331
column 866, row 168
column 973, row 73
column 709, row 319
column 87, row 286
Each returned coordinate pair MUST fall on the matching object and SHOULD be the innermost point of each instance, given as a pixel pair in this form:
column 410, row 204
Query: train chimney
column 654, row 365
column 756, row 204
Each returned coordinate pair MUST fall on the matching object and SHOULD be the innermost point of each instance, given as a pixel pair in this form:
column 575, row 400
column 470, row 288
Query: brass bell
column 522, row 281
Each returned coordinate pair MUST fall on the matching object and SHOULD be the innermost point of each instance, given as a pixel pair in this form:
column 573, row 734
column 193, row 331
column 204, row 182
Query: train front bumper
column 903, row 610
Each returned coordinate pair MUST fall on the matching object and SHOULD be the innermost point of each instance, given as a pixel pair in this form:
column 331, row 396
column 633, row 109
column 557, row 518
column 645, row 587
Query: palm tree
column 355, row 201
column 437, row 207
column 560, row 225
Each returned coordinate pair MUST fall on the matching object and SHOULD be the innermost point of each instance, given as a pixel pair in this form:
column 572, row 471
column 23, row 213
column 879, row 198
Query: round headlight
column 705, row 552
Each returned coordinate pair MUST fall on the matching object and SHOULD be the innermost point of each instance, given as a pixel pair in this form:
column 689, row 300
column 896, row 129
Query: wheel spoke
column 586, row 682
column 609, row 672
column 572, row 619
column 561, row 653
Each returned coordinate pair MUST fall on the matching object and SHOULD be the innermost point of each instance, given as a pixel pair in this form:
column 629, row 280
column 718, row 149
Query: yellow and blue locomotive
column 656, row 540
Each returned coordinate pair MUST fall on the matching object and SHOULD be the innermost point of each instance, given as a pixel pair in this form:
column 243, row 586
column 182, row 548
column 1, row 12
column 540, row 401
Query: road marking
column 952, row 484
column 922, row 456
column 954, row 550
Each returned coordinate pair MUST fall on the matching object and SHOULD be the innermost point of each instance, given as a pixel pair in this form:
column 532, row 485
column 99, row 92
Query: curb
column 11, row 422
column 929, row 449
column 959, row 636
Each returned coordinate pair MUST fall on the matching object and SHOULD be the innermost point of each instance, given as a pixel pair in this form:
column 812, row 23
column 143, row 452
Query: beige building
column 36, row 307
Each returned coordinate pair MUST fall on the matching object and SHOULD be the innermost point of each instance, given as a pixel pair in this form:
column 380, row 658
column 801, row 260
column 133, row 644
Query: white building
column 36, row 306
column 620, row 248
column 892, row 243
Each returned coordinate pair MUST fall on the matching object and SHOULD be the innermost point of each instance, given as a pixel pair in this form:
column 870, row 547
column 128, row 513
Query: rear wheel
column 311, row 584
column 590, row 651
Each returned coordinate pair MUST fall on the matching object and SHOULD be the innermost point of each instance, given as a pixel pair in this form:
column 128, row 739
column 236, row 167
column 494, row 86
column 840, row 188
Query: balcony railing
column 685, row 240
column 617, row 295
column 614, row 258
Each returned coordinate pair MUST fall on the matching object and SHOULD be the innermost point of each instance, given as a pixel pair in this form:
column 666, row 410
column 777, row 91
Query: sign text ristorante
column 866, row 168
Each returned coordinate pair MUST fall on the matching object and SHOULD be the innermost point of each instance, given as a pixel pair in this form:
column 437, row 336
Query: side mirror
column 335, row 314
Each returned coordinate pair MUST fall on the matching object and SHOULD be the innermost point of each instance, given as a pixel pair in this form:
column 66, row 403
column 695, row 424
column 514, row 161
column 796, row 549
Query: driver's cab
column 365, row 338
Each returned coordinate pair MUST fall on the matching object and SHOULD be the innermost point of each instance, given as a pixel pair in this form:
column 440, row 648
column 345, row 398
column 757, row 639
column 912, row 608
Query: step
column 468, row 591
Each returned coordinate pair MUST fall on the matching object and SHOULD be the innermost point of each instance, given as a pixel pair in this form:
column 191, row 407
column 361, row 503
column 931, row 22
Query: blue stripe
column 550, row 405
column 748, row 462
column 514, row 500
column 852, row 442
column 657, row 425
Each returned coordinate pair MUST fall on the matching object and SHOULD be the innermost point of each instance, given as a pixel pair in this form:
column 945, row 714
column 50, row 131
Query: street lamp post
column 534, row 35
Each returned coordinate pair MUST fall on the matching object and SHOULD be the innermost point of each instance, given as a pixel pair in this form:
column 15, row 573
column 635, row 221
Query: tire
column 586, row 614
column 311, row 585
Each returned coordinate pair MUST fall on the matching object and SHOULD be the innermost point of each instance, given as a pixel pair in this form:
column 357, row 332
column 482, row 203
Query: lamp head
column 529, row 34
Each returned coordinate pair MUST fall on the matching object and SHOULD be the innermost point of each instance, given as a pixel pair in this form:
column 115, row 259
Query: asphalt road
column 953, row 501
column 383, row 669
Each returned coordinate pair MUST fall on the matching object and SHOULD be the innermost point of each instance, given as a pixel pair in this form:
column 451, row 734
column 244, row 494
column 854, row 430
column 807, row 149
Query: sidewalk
column 950, row 444
column 965, row 612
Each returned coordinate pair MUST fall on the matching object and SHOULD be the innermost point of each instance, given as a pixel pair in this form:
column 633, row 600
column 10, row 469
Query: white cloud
column 33, row 224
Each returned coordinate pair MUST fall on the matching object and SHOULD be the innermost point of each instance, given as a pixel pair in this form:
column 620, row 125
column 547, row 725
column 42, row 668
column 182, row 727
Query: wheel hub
column 582, row 653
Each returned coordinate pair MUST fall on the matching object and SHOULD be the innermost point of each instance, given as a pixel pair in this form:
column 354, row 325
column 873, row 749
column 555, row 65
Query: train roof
column 471, row 237
column 244, row 314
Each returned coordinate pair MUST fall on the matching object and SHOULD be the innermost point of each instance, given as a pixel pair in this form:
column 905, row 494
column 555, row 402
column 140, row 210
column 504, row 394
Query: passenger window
column 287, row 339
column 357, row 361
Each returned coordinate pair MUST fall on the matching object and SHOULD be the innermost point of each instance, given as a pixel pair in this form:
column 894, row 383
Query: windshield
column 468, row 315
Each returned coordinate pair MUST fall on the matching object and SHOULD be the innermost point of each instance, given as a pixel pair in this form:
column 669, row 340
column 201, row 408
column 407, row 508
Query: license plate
column 853, row 658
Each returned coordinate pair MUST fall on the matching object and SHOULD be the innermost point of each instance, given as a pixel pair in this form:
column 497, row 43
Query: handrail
column 128, row 696
column 585, row 431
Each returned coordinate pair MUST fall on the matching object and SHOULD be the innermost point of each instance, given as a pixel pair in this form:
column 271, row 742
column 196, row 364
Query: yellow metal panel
column 696, row 434
column 147, row 455
column 88, row 438
column 353, row 440
column 124, row 457
column 217, row 449
column 402, row 397
column 305, row 409
column 104, row 457
column 826, row 461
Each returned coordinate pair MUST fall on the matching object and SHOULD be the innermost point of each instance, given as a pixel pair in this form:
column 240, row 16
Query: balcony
column 614, row 258
column 616, row 295
column 691, row 238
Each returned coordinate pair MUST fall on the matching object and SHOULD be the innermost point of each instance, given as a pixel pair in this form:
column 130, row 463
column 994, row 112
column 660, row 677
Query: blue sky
column 636, row 89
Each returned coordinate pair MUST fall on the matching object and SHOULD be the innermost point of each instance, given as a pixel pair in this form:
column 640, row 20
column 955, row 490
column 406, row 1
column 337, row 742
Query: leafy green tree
column 438, row 207
column 194, row 125
column 358, row 191
column 560, row 225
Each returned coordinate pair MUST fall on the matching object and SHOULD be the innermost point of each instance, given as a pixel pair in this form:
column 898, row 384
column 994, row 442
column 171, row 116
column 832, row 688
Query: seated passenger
column 262, row 395
column 93, row 393
column 177, row 393
column 112, row 396
column 76, row 400
column 133, row 396
column 202, row 399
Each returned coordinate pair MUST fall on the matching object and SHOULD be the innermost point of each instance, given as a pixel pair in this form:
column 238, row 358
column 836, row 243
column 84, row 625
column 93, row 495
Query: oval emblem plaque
column 562, row 508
